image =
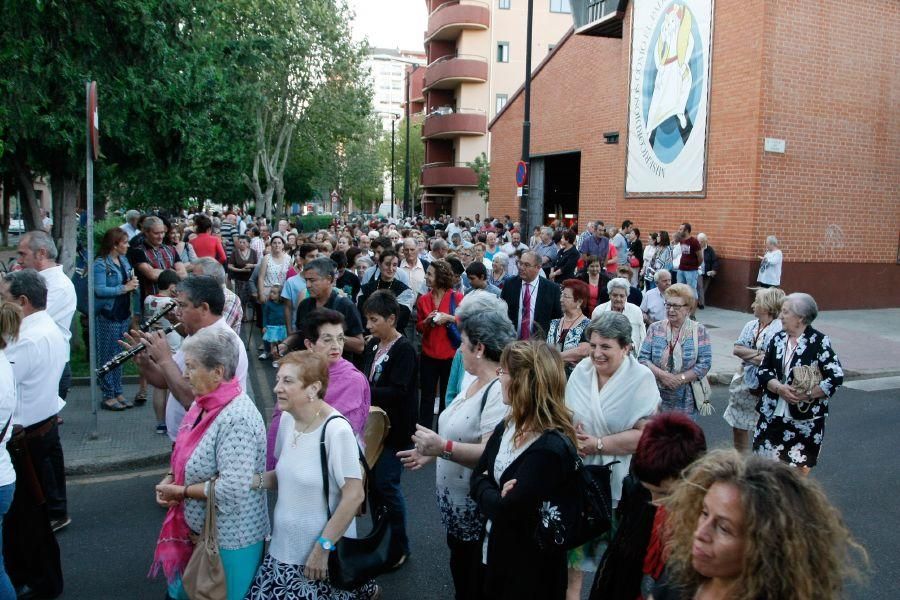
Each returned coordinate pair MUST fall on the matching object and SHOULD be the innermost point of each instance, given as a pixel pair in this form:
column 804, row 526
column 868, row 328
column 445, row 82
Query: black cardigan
column 395, row 388
column 516, row 567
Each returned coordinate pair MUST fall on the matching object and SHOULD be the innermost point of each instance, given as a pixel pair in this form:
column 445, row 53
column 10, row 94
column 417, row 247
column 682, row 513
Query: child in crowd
column 154, row 303
column 274, row 326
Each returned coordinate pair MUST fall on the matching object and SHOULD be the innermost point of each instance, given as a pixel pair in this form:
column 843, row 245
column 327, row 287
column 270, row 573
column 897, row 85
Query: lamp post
column 526, row 122
column 393, row 129
column 406, row 207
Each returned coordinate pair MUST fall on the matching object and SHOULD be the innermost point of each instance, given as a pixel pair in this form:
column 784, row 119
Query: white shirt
column 415, row 274
column 130, row 229
column 8, row 402
column 676, row 256
column 38, row 358
column 370, row 272
column 654, row 305
column 770, row 268
column 174, row 410
column 534, row 293
column 510, row 251
column 61, row 300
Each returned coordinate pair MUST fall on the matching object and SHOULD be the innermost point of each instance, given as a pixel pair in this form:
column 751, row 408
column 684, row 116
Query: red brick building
column 809, row 73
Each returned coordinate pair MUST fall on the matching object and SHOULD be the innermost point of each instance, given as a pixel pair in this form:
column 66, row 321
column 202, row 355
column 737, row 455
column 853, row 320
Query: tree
column 482, row 168
column 416, row 159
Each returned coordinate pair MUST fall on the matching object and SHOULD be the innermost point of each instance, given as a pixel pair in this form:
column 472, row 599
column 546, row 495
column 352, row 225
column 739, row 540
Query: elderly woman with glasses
column 792, row 413
column 221, row 438
column 619, row 289
column 677, row 350
column 566, row 333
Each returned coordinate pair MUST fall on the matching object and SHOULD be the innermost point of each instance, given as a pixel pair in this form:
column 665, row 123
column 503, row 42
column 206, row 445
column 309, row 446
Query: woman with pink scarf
column 348, row 391
column 222, row 437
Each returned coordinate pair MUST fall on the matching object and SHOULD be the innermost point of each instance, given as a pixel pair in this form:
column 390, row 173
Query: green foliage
column 416, row 158
column 482, row 166
column 315, row 222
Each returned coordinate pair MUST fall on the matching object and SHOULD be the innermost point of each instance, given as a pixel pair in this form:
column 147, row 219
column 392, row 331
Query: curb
column 118, row 465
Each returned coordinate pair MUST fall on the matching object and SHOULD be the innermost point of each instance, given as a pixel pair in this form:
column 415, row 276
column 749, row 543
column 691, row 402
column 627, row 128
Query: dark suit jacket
column 546, row 307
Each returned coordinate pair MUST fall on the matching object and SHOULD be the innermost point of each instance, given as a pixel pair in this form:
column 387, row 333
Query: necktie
column 525, row 328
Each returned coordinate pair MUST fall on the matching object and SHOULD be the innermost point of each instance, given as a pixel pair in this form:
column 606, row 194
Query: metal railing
column 450, row 57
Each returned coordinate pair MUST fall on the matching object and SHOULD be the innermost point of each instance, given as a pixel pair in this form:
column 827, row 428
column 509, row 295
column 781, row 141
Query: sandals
column 139, row 399
column 121, row 400
column 112, row 404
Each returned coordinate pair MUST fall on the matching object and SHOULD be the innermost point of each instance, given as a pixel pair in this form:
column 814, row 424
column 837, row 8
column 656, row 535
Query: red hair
column 581, row 292
column 669, row 442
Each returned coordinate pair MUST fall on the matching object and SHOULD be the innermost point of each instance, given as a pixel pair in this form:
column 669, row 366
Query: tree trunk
column 9, row 187
column 65, row 222
column 31, row 212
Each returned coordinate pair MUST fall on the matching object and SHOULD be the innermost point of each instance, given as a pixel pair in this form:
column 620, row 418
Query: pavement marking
column 877, row 384
column 85, row 479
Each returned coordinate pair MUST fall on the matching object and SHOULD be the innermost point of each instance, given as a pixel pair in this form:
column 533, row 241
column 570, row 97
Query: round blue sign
column 521, row 173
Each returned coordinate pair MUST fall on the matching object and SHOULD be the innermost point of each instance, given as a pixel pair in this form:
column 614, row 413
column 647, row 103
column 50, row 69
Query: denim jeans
column 386, row 492
column 6, row 495
column 689, row 278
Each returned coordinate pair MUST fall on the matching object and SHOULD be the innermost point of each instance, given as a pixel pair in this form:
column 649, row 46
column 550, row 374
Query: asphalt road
column 108, row 548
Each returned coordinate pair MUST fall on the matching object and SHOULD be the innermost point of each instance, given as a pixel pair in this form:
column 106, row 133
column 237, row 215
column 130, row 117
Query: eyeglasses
column 500, row 372
column 670, row 306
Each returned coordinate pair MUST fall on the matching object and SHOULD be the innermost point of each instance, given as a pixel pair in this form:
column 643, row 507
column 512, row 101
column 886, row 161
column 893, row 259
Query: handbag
column 701, row 388
column 804, row 378
column 204, row 575
column 354, row 561
column 453, row 333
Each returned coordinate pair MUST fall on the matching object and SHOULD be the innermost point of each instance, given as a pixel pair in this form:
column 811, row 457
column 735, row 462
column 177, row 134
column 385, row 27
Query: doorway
column 562, row 183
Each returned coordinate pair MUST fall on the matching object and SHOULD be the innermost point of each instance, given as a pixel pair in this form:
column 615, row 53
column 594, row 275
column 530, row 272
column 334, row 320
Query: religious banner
column 669, row 97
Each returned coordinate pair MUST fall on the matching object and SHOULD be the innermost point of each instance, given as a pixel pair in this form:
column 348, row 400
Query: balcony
column 448, row 72
column 600, row 18
column 448, row 175
column 449, row 19
column 446, row 122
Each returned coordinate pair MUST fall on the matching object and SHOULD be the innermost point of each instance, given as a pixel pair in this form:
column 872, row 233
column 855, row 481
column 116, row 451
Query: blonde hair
column 683, row 291
column 311, row 367
column 10, row 320
column 770, row 300
column 795, row 542
column 537, row 388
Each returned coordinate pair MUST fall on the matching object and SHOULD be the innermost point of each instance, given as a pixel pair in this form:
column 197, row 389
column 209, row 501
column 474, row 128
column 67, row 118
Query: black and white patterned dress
column 778, row 435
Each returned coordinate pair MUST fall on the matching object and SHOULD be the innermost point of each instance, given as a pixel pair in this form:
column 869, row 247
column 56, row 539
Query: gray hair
column 803, row 305
column 213, row 348
column 547, row 230
column 151, row 222
column 210, row 267
column 324, row 266
column 484, row 318
column 659, row 273
column 132, row 214
column 611, row 325
column 40, row 240
column 701, row 237
column 504, row 258
column 366, row 260
column 772, row 240
column 439, row 244
column 618, row 282
column 30, row 284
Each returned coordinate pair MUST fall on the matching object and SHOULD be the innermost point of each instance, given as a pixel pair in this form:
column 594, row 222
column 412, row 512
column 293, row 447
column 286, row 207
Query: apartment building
column 475, row 62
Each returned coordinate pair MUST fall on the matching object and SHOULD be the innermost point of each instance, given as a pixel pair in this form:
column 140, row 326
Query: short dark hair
column 636, row 232
column 167, row 279
column 30, row 284
column 687, row 227
column 388, row 254
column 313, row 322
column 383, row 242
column 669, row 442
column 339, row 258
column 305, row 249
column 570, row 236
column 456, row 265
column 626, row 223
column 203, row 288
column 382, row 303
column 202, row 223
column 476, row 269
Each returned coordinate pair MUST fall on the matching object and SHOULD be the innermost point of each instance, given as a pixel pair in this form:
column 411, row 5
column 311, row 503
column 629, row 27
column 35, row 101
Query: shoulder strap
column 5, row 427
column 323, row 457
column 485, row 395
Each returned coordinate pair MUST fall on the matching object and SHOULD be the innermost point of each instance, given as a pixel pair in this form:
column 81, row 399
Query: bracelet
column 184, row 493
column 600, row 445
column 326, row 544
column 259, row 482
column 448, row 450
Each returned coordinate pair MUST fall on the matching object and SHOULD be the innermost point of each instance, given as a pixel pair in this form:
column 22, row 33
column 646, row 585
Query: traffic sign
column 521, row 173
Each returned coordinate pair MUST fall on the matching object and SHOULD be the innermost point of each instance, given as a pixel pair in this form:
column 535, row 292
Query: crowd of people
column 510, row 364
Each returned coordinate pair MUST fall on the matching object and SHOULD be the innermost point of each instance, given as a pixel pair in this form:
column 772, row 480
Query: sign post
column 92, row 151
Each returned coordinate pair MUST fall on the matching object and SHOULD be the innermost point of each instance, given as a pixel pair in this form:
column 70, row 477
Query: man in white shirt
column 233, row 312
column 653, row 304
column 413, row 267
column 38, row 357
column 200, row 302
column 130, row 226
column 510, row 249
column 37, row 251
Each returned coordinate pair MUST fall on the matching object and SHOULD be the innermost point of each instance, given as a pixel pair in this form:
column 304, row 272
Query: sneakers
column 57, row 524
column 263, row 356
column 161, row 429
column 275, row 364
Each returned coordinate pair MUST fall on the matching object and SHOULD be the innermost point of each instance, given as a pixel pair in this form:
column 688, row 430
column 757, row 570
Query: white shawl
column 630, row 395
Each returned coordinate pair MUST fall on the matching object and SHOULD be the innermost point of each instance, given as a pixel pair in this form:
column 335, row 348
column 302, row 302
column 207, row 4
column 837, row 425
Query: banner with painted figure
column 668, row 96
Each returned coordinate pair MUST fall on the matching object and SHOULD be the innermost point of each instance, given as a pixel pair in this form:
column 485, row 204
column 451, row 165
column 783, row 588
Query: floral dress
column 566, row 339
column 778, row 435
column 741, row 412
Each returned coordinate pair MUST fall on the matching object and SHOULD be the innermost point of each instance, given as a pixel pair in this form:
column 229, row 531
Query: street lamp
column 393, row 129
column 526, row 122
column 406, row 206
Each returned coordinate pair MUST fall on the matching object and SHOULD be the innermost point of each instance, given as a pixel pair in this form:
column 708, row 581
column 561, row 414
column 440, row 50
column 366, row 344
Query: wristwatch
column 600, row 445
column 683, row 378
column 326, row 543
column 448, row 450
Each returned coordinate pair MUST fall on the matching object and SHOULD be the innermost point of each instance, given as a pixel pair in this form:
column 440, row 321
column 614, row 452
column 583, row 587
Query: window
column 504, row 4
column 501, row 102
column 560, row 6
column 550, row 48
column 503, row 52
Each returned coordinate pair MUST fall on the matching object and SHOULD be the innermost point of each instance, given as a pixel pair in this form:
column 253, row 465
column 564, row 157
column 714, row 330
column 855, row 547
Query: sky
column 390, row 23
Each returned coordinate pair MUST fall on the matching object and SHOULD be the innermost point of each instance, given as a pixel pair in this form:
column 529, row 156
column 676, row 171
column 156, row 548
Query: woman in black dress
column 386, row 279
column 525, row 465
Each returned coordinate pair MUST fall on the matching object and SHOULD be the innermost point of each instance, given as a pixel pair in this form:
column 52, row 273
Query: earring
column 312, row 398
column 477, row 356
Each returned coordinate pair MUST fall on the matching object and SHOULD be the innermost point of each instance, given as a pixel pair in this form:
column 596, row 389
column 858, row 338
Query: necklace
column 298, row 434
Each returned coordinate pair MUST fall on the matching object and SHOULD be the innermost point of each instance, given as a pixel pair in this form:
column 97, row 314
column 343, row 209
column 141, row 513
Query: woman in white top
column 610, row 394
column 303, row 534
column 273, row 268
column 464, row 428
column 618, row 289
column 10, row 319
column 770, row 265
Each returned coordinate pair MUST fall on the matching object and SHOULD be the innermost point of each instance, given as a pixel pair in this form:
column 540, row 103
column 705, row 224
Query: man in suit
column 542, row 296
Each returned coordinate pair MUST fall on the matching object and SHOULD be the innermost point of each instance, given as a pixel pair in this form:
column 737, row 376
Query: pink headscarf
column 174, row 546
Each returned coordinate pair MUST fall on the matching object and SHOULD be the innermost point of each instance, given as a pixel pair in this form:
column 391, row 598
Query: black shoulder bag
column 354, row 561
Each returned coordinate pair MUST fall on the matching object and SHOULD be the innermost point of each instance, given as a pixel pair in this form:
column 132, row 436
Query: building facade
column 802, row 141
column 475, row 61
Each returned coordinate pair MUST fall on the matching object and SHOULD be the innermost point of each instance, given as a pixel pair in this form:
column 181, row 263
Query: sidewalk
column 866, row 341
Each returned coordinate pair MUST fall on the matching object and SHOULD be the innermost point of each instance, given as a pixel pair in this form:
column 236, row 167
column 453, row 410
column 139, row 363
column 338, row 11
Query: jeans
column 6, row 495
column 690, row 279
column 386, row 492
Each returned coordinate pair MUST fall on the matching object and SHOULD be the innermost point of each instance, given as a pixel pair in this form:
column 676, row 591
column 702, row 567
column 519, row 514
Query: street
column 108, row 548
